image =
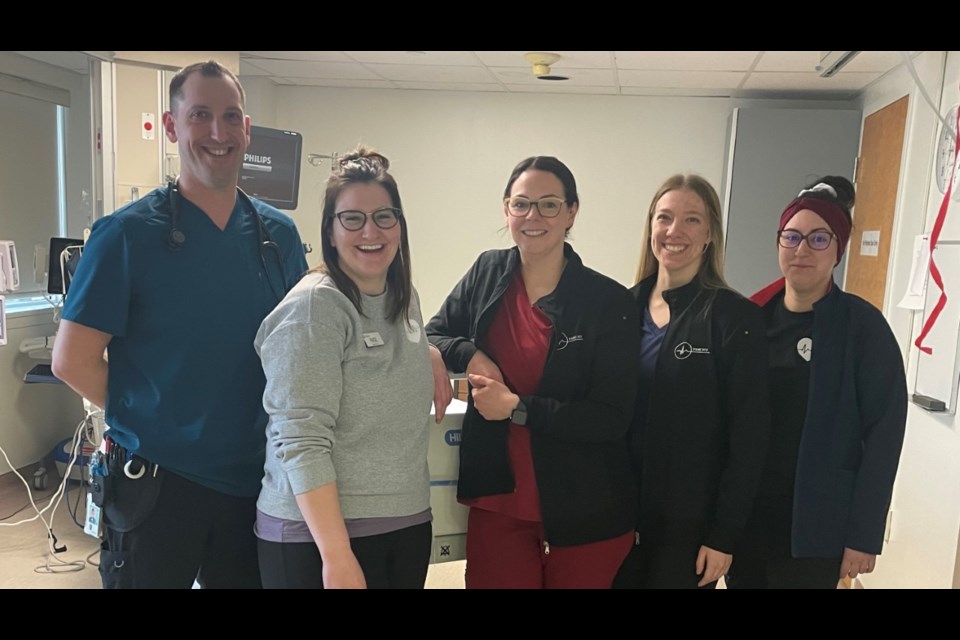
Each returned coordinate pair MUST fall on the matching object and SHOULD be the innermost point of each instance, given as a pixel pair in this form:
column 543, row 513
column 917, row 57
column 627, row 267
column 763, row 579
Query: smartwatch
column 519, row 415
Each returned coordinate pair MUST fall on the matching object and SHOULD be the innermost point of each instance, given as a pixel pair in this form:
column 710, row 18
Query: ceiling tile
column 336, row 82
column 450, row 86
column 577, row 59
column 431, row 73
column 247, row 68
column 560, row 87
column 653, row 73
column 674, row 91
column 578, row 77
column 874, row 61
column 681, row 79
column 457, row 58
column 844, row 80
column 863, row 62
column 686, row 60
column 305, row 69
column 789, row 61
column 316, row 56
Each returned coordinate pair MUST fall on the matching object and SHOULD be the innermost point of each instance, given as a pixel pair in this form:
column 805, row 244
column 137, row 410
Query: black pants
column 764, row 561
column 164, row 531
column 783, row 573
column 660, row 567
column 395, row 560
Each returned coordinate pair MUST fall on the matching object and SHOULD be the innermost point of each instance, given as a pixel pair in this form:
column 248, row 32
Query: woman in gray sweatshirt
column 345, row 500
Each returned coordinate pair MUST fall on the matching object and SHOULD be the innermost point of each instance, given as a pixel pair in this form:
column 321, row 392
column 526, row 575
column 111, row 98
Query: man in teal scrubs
column 174, row 286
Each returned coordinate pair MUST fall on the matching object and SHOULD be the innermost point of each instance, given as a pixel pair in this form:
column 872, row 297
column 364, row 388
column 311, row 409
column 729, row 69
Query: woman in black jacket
column 839, row 402
column 548, row 347
column 701, row 421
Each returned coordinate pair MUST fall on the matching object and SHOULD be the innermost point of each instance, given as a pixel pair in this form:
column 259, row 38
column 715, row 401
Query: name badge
column 372, row 340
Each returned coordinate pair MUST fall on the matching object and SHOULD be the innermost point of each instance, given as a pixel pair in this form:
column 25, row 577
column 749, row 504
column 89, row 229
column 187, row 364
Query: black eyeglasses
column 548, row 207
column 385, row 218
column 817, row 240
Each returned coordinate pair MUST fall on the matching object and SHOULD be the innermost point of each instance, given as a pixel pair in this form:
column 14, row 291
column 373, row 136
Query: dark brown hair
column 364, row 165
column 549, row 164
column 209, row 69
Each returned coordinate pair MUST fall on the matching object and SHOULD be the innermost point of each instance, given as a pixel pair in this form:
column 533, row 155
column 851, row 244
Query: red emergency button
column 147, row 124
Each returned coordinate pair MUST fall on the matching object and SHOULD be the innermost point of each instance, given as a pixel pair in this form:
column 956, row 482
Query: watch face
column 519, row 416
column 946, row 150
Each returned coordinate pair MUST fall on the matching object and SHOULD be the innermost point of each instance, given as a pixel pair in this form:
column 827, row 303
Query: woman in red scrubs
column 549, row 347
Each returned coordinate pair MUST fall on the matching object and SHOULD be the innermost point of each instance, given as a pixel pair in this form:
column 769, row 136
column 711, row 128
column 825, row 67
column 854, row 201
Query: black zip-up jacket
column 578, row 419
column 700, row 451
column 854, row 428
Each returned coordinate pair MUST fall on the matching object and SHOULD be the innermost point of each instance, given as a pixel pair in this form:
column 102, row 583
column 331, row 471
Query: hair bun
column 819, row 187
column 364, row 155
column 836, row 188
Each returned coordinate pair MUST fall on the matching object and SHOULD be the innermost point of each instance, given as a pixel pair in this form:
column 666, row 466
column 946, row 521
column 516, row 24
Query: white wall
column 453, row 152
column 261, row 103
column 922, row 550
column 137, row 90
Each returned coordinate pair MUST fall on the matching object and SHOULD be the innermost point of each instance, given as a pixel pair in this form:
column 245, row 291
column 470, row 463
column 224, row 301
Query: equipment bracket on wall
column 316, row 159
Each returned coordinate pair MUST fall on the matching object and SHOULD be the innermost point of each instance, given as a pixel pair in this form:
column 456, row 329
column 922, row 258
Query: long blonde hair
column 711, row 267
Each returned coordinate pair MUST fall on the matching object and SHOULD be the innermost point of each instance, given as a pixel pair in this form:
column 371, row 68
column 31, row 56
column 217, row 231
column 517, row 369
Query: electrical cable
column 74, row 509
column 52, row 563
column 10, row 515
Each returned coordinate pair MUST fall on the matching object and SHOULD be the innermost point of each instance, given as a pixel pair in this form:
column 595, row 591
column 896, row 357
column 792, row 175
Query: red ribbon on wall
column 934, row 236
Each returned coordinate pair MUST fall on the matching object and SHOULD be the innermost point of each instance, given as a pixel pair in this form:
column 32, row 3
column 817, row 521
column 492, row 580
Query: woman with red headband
column 839, row 402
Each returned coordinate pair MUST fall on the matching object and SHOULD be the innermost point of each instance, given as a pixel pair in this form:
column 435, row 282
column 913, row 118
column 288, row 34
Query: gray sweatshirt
column 348, row 398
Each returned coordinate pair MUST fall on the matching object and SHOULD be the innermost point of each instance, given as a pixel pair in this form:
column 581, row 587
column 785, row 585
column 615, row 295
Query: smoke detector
column 541, row 62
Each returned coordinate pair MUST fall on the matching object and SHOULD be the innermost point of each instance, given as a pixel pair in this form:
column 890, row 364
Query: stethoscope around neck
column 177, row 238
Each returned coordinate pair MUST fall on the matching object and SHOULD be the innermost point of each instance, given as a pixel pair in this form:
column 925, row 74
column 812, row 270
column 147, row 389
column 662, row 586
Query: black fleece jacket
column 579, row 417
column 700, row 450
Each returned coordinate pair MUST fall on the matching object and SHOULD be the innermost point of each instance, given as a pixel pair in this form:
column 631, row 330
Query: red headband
column 831, row 213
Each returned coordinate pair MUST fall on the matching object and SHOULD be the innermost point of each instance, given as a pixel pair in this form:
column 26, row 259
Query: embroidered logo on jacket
column 565, row 340
column 684, row 350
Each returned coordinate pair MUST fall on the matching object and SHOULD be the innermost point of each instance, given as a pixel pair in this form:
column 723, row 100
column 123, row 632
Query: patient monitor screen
column 57, row 272
column 271, row 166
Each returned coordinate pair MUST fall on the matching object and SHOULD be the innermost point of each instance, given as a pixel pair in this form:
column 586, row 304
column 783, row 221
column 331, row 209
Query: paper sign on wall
column 917, row 284
column 870, row 243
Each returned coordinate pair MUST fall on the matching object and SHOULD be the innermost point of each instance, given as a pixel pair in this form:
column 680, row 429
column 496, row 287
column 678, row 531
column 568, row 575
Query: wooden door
column 877, row 179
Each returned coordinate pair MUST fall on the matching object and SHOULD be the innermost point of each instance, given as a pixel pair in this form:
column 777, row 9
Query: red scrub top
column 518, row 342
